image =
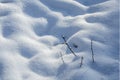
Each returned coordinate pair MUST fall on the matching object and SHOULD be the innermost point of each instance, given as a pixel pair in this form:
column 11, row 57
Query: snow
column 31, row 40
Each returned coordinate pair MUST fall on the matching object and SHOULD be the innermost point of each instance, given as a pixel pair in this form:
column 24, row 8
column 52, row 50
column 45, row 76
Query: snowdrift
column 32, row 47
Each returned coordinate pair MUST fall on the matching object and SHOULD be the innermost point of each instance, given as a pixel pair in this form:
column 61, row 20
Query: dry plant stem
column 81, row 63
column 92, row 51
column 69, row 46
column 62, row 58
column 59, row 43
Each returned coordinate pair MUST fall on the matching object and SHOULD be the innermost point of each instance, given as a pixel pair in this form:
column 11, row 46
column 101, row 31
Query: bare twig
column 58, row 44
column 81, row 63
column 68, row 46
column 62, row 58
column 92, row 51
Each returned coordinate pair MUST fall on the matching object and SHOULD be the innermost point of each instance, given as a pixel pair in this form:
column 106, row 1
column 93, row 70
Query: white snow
column 31, row 39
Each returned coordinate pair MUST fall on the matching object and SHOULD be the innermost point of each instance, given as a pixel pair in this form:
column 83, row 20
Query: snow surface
column 31, row 39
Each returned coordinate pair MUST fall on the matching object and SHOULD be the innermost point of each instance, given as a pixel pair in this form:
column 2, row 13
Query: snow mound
column 32, row 45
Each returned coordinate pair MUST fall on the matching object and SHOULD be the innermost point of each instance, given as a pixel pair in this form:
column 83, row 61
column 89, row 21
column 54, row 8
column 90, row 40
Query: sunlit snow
column 32, row 45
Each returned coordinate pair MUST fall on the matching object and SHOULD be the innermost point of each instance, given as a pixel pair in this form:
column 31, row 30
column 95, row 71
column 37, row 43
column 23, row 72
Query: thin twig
column 68, row 46
column 58, row 44
column 62, row 58
column 92, row 51
column 81, row 63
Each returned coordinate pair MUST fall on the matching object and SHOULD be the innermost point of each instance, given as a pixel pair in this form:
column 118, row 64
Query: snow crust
column 31, row 39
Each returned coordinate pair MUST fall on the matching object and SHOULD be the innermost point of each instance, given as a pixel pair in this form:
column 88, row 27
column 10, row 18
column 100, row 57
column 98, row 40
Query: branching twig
column 58, row 44
column 62, row 58
column 92, row 51
column 81, row 63
column 68, row 46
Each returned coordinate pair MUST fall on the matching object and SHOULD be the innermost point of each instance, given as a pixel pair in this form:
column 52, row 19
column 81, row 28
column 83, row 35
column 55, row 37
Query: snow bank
column 32, row 47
